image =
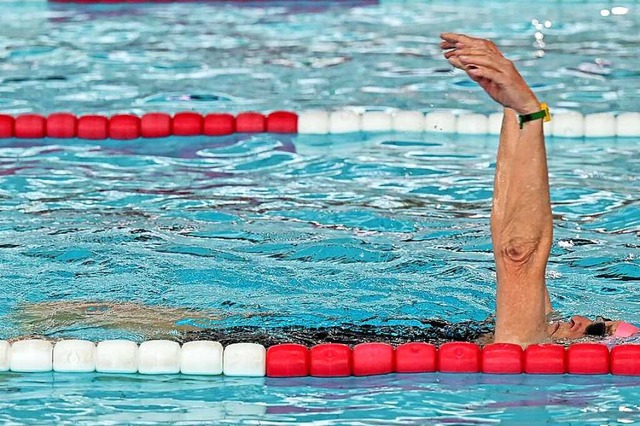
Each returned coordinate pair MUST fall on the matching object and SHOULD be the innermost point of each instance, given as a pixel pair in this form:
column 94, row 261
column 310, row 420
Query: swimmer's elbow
column 518, row 251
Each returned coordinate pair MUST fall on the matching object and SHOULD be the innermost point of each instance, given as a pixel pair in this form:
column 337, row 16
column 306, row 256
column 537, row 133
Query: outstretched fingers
column 453, row 41
column 454, row 38
column 471, row 61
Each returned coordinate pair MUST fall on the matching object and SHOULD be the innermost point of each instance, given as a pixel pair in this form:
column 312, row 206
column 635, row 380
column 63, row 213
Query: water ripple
column 217, row 216
column 298, row 57
column 277, row 230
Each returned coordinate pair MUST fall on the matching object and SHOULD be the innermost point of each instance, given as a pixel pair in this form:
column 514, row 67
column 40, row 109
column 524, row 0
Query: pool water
column 273, row 230
column 304, row 230
column 434, row 399
column 237, row 56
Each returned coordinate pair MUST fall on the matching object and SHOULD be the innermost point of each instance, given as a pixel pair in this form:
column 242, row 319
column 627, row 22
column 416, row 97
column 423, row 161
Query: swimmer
column 51, row 320
column 521, row 220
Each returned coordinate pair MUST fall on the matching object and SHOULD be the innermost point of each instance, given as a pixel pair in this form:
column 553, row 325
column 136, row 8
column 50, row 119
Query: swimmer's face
column 579, row 326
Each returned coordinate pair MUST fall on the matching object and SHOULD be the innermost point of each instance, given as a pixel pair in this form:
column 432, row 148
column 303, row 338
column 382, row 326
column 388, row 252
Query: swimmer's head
column 578, row 327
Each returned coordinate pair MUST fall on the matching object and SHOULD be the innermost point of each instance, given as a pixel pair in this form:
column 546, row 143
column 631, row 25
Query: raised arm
column 521, row 221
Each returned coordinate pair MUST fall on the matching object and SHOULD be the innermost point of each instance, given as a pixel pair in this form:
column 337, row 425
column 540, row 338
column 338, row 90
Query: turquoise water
column 236, row 57
column 276, row 230
column 422, row 399
column 272, row 230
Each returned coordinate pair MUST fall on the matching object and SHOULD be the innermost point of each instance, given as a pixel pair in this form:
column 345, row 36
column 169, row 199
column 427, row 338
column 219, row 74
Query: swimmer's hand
column 486, row 65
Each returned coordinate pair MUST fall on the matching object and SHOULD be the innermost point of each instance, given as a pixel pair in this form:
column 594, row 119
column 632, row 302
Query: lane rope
column 322, row 360
column 565, row 124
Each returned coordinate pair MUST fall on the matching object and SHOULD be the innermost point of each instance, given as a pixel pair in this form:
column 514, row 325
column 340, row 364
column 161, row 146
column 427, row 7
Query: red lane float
column 502, row 358
column 331, row 360
column 251, row 122
column 31, row 126
column 187, row 124
column 288, row 360
column 416, row 357
column 588, row 358
column 545, row 359
column 625, row 360
column 93, row 127
column 282, row 122
column 7, row 125
column 366, row 359
column 62, row 125
column 459, row 357
column 370, row 359
column 219, row 124
column 124, row 126
column 156, row 125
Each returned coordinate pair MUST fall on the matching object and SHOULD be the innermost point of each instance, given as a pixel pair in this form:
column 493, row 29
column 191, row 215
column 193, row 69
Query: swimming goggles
column 597, row 328
column 600, row 329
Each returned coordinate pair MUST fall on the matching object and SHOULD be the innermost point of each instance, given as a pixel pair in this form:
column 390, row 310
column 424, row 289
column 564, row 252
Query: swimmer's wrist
column 540, row 113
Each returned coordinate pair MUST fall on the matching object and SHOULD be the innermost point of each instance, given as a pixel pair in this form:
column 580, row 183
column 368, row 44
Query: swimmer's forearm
column 521, row 213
